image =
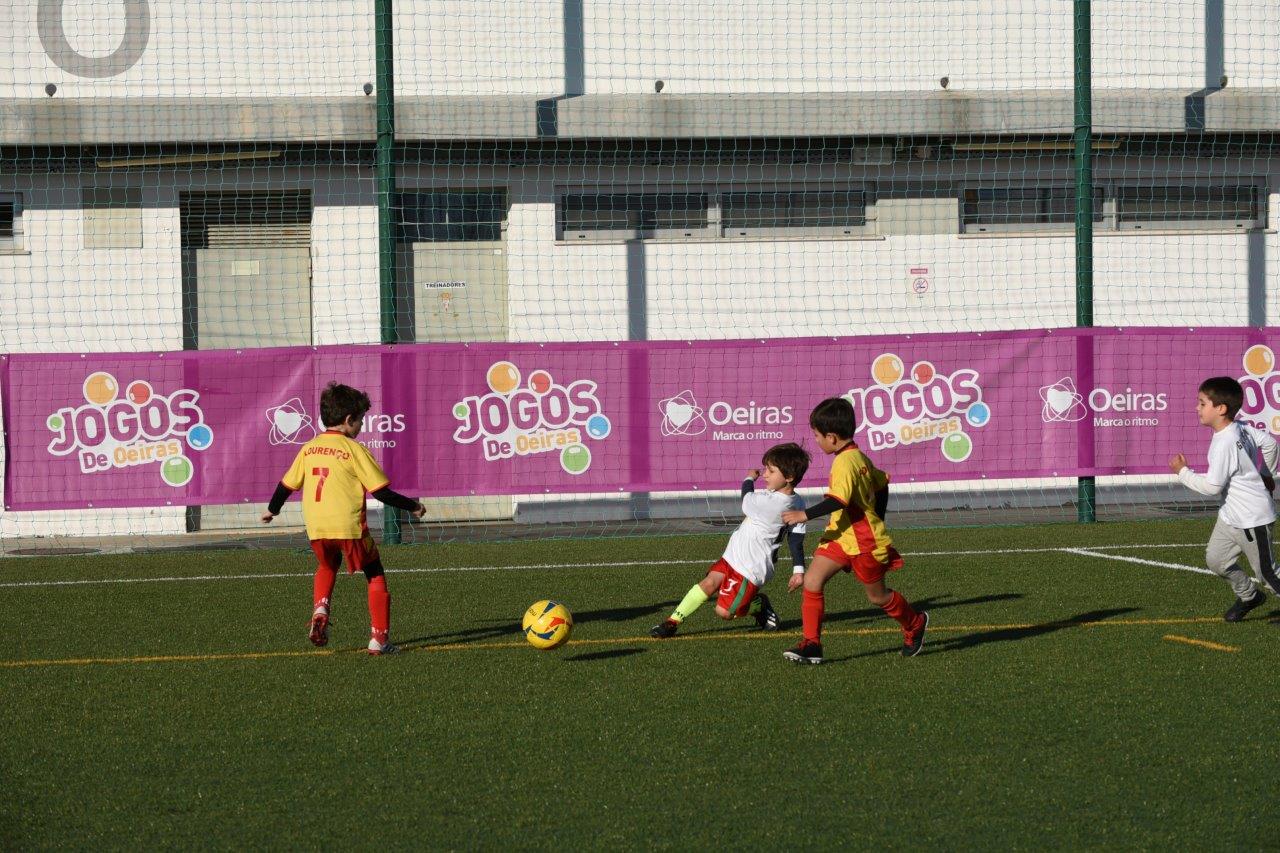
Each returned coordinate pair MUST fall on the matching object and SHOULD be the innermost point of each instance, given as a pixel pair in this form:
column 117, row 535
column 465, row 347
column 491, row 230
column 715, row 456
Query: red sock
column 379, row 608
column 811, row 616
column 900, row 609
column 323, row 587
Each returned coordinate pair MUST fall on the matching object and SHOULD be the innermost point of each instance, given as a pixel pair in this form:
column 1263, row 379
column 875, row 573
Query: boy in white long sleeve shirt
column 1241, row 462
column 748, row 561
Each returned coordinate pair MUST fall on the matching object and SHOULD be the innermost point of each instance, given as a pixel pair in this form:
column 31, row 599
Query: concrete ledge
column 477, row 117
column 867, row 114
column 56, row 121
column 102, row 121
column 1243, row 110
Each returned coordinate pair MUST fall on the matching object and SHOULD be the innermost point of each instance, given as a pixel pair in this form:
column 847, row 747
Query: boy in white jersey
column 1241, row 459
column 749, row 558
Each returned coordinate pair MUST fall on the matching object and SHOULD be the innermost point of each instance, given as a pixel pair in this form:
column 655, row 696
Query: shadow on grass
column 503, row 629
column 612, row 653
column 623, row 614
column 1001, row 635
column 934, row 645
column 933, row 603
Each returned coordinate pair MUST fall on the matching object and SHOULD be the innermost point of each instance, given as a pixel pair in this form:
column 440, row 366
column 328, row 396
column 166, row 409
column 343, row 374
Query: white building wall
column 228, row 48
column 58, row 296
column 1249, row 28
column 261, row 48
column 344, row 258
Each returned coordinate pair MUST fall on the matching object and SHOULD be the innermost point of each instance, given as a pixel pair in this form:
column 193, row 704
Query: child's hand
column 753, row 474
column 797, row 581
column 794, row 516
column 418, row 511
column 267, row 516
column 1177, row 463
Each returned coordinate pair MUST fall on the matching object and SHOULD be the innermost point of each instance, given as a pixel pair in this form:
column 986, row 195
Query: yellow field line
column 1190, row 621
column 617, row 641
column 1217, row 647
column 164, row 658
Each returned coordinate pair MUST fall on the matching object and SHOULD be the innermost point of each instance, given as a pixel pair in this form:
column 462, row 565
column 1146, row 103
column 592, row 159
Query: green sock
column 693, row 599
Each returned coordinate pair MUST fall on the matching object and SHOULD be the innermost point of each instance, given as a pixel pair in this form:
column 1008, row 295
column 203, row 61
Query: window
column 631, row 215
column 452, row 216
column 245, row 218
column 869, row 210
column 788, row 211
column 995, row 209
column 112, row 217
column 1189, row 207
column 10, row 222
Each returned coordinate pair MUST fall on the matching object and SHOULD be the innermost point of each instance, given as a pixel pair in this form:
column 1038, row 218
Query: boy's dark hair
column 790, row 458
column 339, row 402
column 834, row 415
column 1224, row 391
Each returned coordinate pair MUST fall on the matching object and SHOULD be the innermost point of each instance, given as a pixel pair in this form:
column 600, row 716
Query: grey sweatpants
column 1223, row 554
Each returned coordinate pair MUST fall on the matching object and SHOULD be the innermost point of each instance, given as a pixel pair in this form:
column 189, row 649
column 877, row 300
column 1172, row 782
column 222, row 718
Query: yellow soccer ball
column 547, row 624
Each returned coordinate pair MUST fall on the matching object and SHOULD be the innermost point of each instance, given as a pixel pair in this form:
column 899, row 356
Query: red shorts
column 357, row 553
column 866, row 567
column 736, row 592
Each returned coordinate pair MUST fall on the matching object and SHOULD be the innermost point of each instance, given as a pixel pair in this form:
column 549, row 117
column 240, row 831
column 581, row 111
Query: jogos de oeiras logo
column 920, row 405
column 143, row 427
column 1261, row 384
column 536, row 416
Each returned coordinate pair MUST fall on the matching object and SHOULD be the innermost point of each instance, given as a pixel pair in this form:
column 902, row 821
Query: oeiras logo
column 1063, row 403
column 142, row 427
column 681, row 414
column 537, row 416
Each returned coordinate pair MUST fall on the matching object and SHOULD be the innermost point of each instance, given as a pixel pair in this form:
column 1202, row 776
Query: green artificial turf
column 1048, row 709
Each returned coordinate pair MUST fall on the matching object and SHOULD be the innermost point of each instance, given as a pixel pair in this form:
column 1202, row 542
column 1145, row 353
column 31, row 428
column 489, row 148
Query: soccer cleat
column 915, row 639
column 1237, row 611
column 805, row 652
column 318, row 630
column 664, row 630
column 766, row 617
column 387, row 648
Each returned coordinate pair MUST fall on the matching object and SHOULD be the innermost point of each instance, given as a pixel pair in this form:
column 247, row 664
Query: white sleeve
column 1198, row 482
column 1221, row 458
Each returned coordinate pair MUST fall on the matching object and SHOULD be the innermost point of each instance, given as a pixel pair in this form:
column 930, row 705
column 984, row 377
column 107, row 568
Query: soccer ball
column 547, row 624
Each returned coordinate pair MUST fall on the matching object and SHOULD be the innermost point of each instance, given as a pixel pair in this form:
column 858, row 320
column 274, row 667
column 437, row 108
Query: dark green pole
column 385, row 175
column 1086, row 495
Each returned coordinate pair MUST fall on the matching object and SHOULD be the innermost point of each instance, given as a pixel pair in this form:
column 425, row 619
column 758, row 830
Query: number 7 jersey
column 334, row 472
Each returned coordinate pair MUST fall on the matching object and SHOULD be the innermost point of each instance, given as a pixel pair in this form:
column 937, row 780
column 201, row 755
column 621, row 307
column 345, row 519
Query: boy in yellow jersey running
column 334, row 471
column 856, row 539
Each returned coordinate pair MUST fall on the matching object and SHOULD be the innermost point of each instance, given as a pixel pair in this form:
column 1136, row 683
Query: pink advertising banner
column 186, row 428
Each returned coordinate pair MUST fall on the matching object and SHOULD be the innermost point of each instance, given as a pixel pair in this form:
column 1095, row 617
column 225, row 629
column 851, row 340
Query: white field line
column 427, row 570
column 556, row 566
column 1084, row 552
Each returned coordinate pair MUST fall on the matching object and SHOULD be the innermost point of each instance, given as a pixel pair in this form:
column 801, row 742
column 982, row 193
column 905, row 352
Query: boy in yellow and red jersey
column 334, row 472
column 856, row 539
